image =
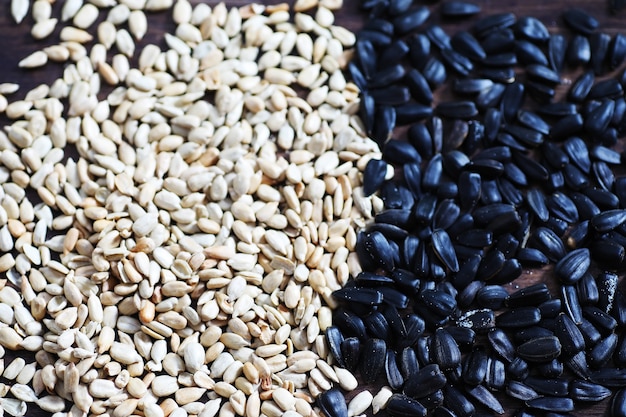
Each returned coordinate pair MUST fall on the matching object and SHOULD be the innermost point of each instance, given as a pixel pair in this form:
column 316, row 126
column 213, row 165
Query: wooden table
column 17, row 43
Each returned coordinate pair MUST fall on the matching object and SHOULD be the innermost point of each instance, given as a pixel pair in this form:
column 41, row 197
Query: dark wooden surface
column 17, row 43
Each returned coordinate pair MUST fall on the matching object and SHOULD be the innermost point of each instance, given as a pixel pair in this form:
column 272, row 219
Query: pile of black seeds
column 503, row 178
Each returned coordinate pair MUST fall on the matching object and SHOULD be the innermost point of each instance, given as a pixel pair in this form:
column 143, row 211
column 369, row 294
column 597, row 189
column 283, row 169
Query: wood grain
column 16, row 43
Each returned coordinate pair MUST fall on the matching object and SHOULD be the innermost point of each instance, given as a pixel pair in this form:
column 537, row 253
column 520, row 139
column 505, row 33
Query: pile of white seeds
column 170, row 248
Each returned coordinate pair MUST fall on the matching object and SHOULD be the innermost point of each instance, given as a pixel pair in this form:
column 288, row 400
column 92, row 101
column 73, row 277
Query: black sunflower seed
column 555, row 387
column 557, row 45
column 532, row 29
column 493, row 22
column 410, row 20
column 569, row 335
column 373, row 357
column 351, row 352
column 542, row 349
column 459, row 9
column 552, row 404
column 425, row 382
column 618, row 403
column 405, row 406
column 486, row 398
column 602, row 352
column 475, row 367
column 457, row 402
column 617, row 51
column 573, row 266
column 580, row 21
column 581, row 87
column 520, row 391
column 519, row 317
column 501, row 343
column 599, row 43
column 528, row 53
column 465, row 43
column 586, row 391
column 333, row 403
column 578, row 51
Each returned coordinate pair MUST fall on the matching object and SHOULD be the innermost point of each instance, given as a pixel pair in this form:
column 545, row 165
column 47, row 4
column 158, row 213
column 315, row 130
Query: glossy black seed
column 433, row 400
column 585, row 206
column 471, row 85
column 404, row 406
column 444, row 350
column 486, row 398
column 532, row 257
column 602, row 352
column 367, row 296
column 580, row 21
column 438, row 37
column 351, row 351
column 419, row 50
column 332, row 403
column 395, row 52
column 548, row 243
column 532, row 29
column 413, row 178
column 374, row 176
column 366, row 55
column 573, row 266
column 373, row 358
column 556, row 387
column 598, row 120
column 586, row 391
column 457, row 109
column 571, row 304
column 578, row 51
column 394, row 377
column 459, row 9
column 587, row 290
column 540, row 91
column 557, row 46
column 569, row 335
column 554, row 404
column 599, row 43
column 410, row 20
column 491, row 264
column 412, row 112
column 580, row 88
column 335, row 339
column 608, row 253
column 386, row 76
column 608, row 220
column 393, row 95
column 542, row 349
column 480, row 320
column 618, row 404
column 552, row 369
column 610, row 88
column 603, row 321
column 496, row 374
column 537, row 202
column 492, row 23
column 418, row 86
column 434, row 72
column 578, row 365
column 399, row 6
column 505, row 59
column 466, row 44
column 501, row 344
column 533, row 121
column 491, row 296
column 550, row 308
column 520, row 391
column 486, row 101
column 528, row 137
column 426, row 381
column 533, row 169
column 519, row 317
column 475, row 367
column 609, row 377
column 457, row 402
column 617, row 51
column 533, row 295
column 528, row 53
